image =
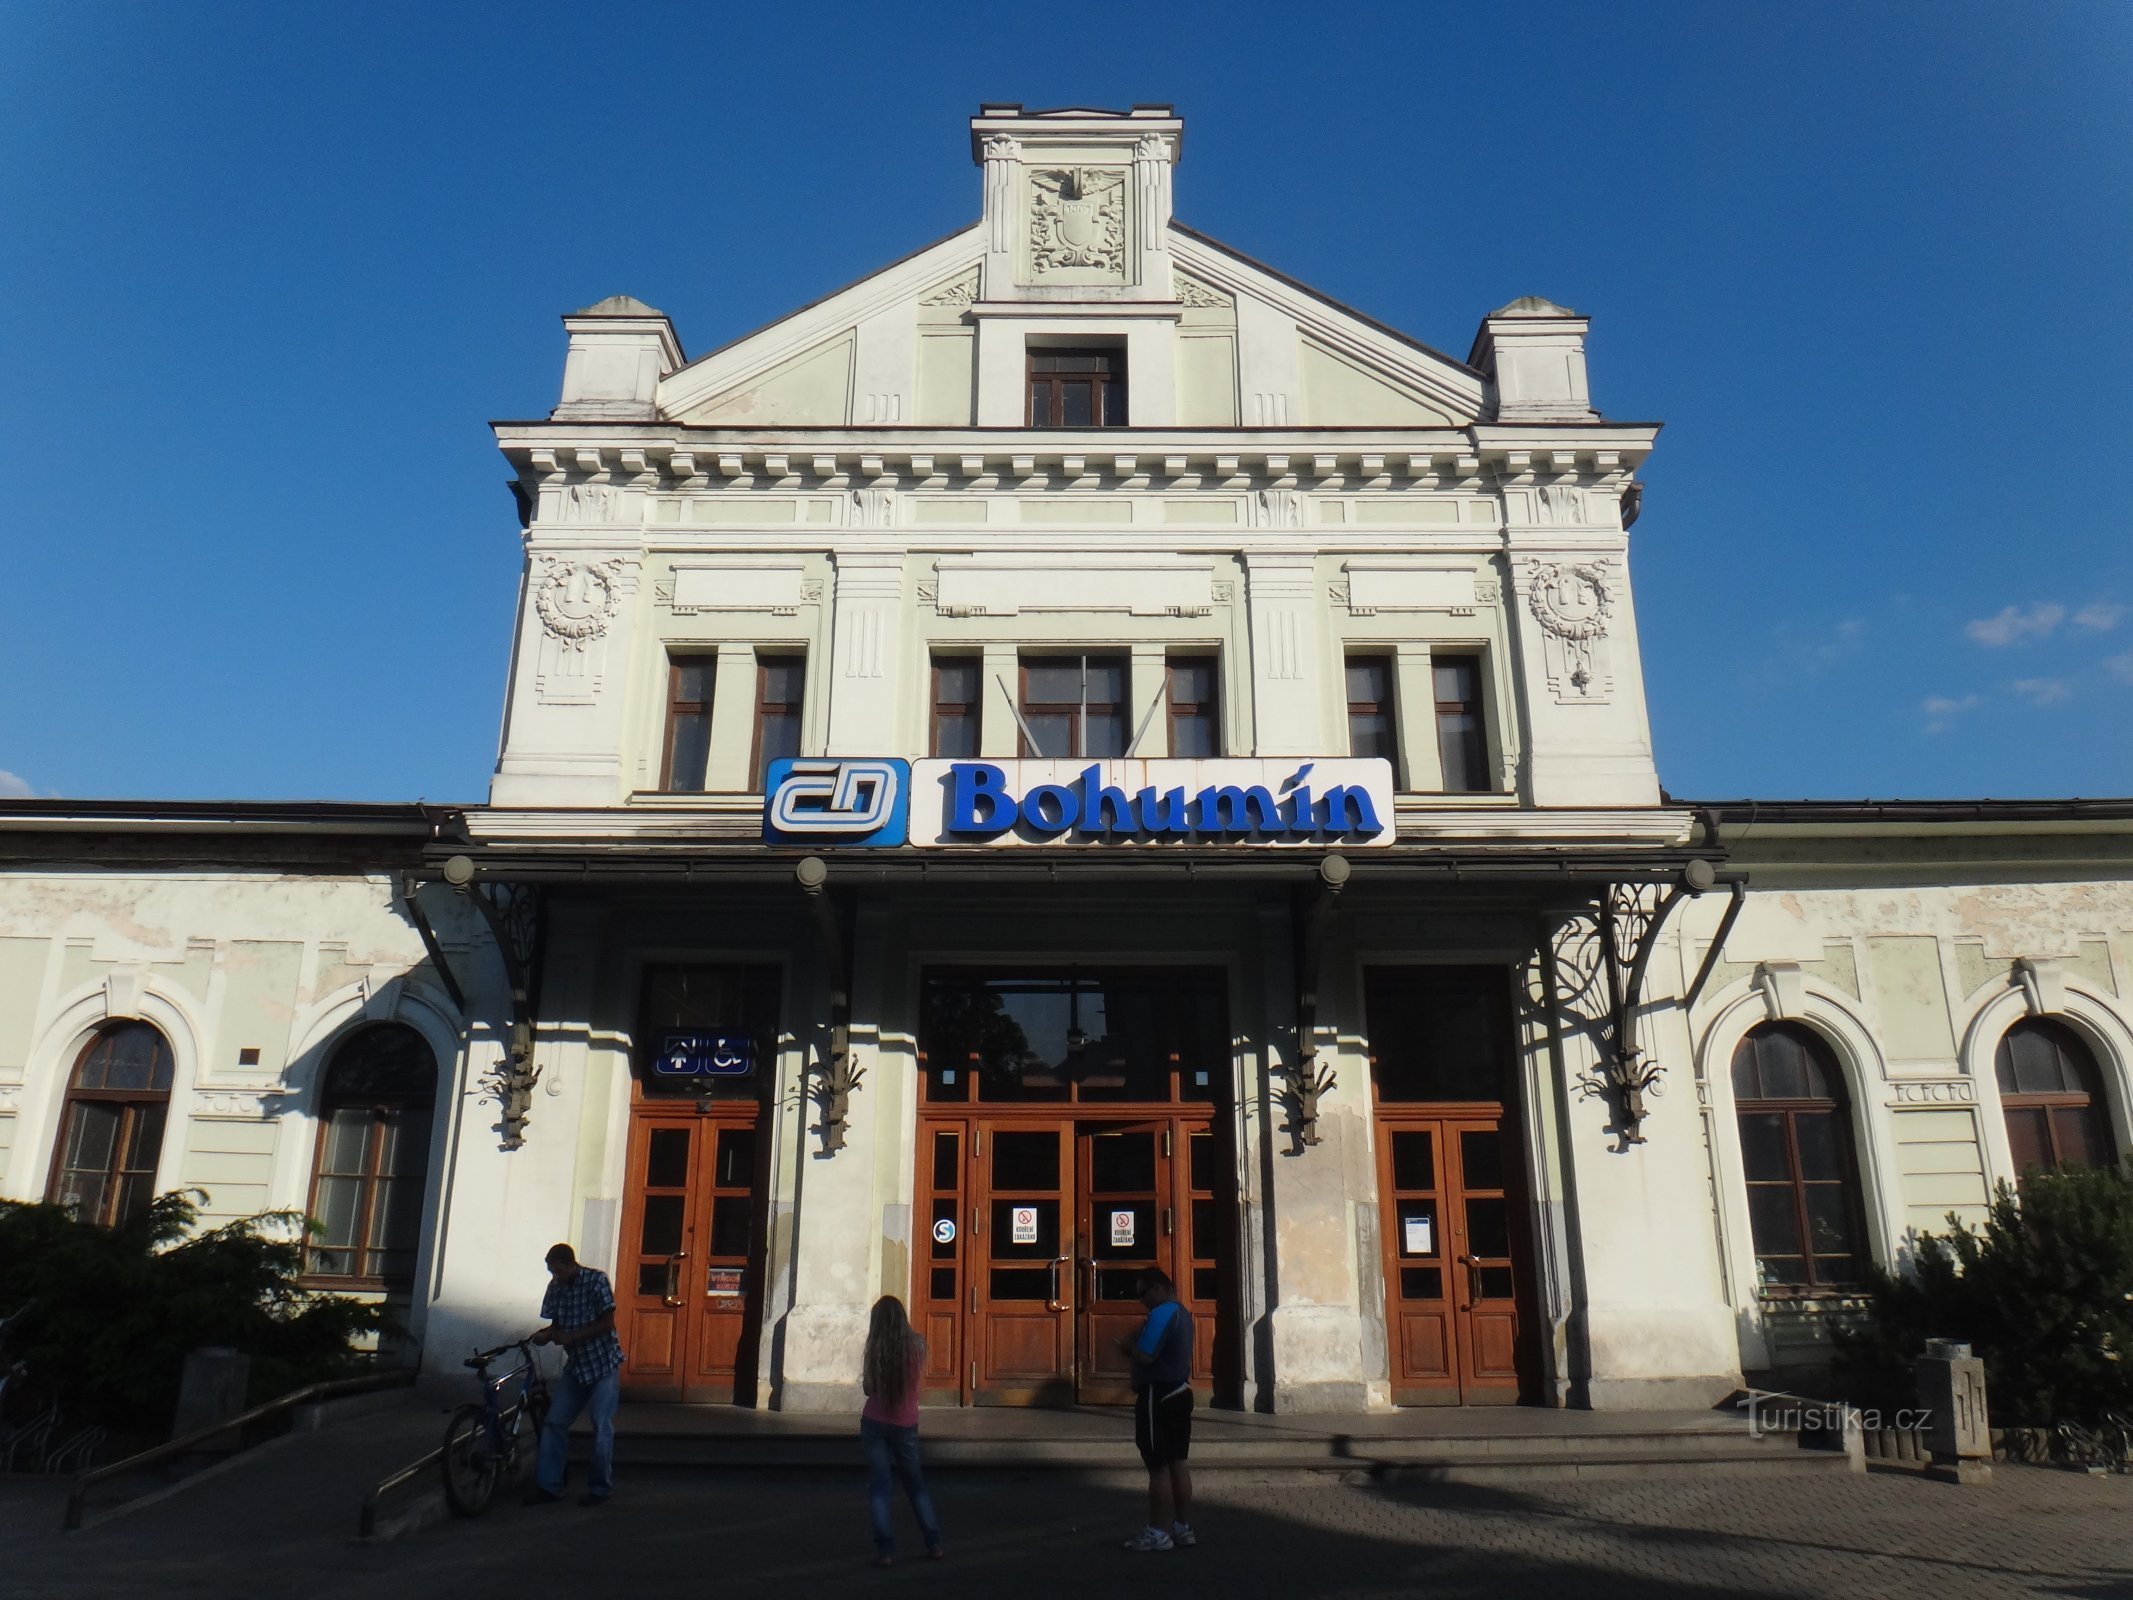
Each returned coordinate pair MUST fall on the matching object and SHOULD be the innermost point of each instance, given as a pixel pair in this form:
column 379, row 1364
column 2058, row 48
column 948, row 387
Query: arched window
column 2052, row 1096
column 105, row 1168
column 1796, row 1147
column 373, row 1158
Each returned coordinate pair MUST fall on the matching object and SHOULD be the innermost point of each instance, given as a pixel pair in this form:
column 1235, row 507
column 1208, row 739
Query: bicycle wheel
column 469, row 1461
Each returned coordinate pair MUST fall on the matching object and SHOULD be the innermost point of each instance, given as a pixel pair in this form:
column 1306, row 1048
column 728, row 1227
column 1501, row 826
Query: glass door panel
column 1128, row 1224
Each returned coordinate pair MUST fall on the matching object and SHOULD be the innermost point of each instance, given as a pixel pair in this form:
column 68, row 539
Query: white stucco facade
column 860, row 493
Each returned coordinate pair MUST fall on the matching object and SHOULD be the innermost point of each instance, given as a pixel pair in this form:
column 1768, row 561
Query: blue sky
column 269, row 270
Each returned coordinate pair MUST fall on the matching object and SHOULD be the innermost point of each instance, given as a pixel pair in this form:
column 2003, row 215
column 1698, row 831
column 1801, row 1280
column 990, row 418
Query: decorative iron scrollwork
column 513, row 913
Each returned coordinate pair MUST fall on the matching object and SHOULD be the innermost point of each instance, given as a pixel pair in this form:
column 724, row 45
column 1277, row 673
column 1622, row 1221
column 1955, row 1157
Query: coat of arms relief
column 1078, row 219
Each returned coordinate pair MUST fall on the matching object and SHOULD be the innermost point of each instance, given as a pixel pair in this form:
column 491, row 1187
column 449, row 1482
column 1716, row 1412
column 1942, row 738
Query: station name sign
column 877, row 801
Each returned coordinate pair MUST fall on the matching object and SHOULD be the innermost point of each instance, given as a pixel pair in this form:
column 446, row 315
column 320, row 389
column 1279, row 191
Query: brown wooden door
column 1451, row 1282
column 688, row 1291
column 1022, row 1262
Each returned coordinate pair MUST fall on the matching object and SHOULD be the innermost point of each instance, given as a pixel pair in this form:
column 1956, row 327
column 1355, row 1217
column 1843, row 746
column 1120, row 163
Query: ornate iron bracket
column 1631, row 916
column 835, row 1076
column 513, row 912
column 1306, row 1080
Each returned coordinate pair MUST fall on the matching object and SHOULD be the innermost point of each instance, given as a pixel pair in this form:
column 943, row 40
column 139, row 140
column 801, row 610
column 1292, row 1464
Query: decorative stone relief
column 575, row 601
column 1934, row 1092
column 1078, row 219
column 1280, row 508
column 960, row 293
column 1192, row 292
column 1225, row 591
column 1572, row 602
column 1561, row 503
column 874, row 508
column 1487, row 592
column 1001, row 156
column 591, row 502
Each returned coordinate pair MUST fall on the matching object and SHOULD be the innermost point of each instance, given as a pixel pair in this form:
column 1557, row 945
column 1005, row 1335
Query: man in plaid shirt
column 580, row 1310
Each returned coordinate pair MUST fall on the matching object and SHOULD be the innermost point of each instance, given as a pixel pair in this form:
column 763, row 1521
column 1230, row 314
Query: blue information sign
column 705, row 1055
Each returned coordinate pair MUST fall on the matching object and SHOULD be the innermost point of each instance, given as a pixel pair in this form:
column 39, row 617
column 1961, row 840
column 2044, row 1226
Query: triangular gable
column 716, row 386
column 1357, row 362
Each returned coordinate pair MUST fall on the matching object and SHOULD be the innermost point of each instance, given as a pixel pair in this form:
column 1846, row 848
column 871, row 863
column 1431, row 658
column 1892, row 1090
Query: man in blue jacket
column 1162, row 1412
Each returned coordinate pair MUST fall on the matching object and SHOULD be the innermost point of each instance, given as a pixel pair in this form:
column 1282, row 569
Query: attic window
column 1071, row 388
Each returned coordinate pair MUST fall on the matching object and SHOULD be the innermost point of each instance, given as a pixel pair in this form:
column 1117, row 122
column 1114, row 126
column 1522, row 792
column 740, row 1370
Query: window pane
column 736, row 1158
column 92, row 1136
column 1206, row 1231
column 1104, row 734
column 1052, row 680
column 1762, row 1147
column 144, row 1140
column 1106, row 680
column 1773, row 1218
column 955, row 737
column 1077, row 402
column 731, row 1217
column 1040, row 405
column 1369, row 681
column 947, row 1160
column 666, row 1164
column 405, row 1149
column 1481, row 1159
column 1488, row 1227
column 1829, row 1220
column 1371, row 735
column 778, row 739
column 1002, row 1223
column 1200, row 1172
column 1460, row 752
column 1457, row 682
column 1115, row 404
column 691, row 754
column 396, row 1217
column 784, row 678
column 1025, row 1161
column 692, row 680
column 660, row 1234
column 1122, row 1163
column 2081, row 1138
column 2028, row 1138
column 346, row 1146
column 1820, row 1142
column 1414, row 1162
column 336, row 1205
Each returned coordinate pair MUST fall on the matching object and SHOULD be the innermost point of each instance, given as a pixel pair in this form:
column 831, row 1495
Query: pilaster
column 1281, row 593
column 865, row 701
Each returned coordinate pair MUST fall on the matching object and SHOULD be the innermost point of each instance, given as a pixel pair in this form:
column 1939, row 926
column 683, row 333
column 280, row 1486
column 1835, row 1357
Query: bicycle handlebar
column 480, row 1360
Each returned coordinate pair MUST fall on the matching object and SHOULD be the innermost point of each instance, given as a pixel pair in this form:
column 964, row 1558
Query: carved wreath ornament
column 1574, row 604
column 576, row 600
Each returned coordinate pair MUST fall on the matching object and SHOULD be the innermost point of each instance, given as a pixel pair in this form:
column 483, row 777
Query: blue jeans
column 894, row 1451
column 570, row 1396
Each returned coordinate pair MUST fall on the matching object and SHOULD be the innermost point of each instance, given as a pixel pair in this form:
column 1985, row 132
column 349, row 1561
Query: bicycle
column 29, row 1411
column 482, row 1442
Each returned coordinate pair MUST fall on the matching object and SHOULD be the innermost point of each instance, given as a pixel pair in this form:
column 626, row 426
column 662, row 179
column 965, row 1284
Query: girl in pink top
column 891, row 1373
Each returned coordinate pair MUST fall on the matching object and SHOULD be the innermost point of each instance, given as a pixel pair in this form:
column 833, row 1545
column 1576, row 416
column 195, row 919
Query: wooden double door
column 1035, row 1232
column 688, row 1288
column 1452, row 1249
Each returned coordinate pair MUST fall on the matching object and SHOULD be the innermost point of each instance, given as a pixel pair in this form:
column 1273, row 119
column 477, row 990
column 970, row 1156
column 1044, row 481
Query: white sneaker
column 1182, row 1536
column 1151, row 1539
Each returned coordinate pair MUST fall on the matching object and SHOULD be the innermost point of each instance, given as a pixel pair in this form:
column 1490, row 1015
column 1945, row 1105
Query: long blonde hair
column 891, row 1345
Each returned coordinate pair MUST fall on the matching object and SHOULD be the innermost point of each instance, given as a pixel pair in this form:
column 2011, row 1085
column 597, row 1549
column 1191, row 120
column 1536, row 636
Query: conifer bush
column 2043, row 1292
column 113, row 1311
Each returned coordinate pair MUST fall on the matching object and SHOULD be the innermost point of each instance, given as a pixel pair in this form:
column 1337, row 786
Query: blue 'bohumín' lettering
column 980, row 806
column 976, row 784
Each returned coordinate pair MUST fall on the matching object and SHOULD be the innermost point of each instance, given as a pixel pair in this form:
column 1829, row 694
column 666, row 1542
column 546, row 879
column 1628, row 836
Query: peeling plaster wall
column 1912, row 985
column 223, row 963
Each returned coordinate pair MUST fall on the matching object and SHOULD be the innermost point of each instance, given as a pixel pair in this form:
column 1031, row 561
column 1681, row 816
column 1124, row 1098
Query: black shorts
column 1162, row 1425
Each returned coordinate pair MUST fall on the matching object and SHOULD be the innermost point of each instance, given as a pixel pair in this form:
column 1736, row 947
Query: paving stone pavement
column 2032, row 1531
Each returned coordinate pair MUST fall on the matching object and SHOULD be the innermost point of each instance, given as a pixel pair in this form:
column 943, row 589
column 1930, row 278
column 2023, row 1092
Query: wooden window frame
column 131, row 1103
column 2090, row 1101
column 973, row 708
column 1389, row 708
column 1210, row 710
column 1113, row 384
column 1848, row 1181
column 675, row 707
column 1477, row 707
column 764, row 661
column 1025, row 705
column 381, row 1106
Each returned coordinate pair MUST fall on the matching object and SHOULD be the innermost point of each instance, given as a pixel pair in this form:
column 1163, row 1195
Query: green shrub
column 114, row 1310
column 2043, row 1293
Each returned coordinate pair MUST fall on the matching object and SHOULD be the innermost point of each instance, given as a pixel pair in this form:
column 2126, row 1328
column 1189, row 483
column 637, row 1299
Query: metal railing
column 367, row 1521
column 332, row 1389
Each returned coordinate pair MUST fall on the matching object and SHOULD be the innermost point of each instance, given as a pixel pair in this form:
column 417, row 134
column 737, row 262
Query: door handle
column 1055, row 1303
column 673, row 1295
